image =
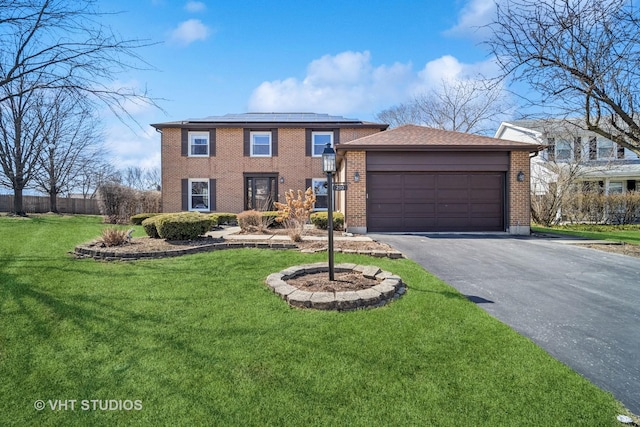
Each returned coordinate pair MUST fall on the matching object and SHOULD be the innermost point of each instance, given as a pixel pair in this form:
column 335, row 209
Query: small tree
column 294, row 214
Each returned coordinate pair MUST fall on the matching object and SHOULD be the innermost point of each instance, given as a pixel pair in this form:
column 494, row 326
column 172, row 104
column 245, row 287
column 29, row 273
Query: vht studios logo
column 88, row 405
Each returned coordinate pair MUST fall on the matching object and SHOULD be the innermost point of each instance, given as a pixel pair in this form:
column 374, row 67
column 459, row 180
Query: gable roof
column 263, row 119
column 422, row 138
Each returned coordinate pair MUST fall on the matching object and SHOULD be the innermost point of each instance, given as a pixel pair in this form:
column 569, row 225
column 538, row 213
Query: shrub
column 321, row 220
column 182, row 226
column 269, row 219
column 250, row 220
column 119, row 203
column 114, row 236
column 223, row 218
column 149, row 226
column 294, row 214
column 137, row 219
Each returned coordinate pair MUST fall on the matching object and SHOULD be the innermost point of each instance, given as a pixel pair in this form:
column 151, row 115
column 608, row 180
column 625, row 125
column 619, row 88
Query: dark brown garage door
column 435, row 201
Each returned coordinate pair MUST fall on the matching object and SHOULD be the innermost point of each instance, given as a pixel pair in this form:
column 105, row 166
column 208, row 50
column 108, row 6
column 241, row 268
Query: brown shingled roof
column 419, row 138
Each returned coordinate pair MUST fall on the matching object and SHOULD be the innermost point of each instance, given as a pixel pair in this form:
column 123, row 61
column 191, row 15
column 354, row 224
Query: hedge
column 321, row 220
column 137, row 219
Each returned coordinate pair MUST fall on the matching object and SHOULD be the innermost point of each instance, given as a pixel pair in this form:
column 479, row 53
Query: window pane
column 320, row 141
column 199, row 144
column 615, row 187
column 605, row 149
column 260, row 144
column 563, row 150
column 200, row 195
column 320, row 188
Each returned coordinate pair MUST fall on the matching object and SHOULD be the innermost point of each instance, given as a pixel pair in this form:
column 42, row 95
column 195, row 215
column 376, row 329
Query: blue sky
column 338, row 57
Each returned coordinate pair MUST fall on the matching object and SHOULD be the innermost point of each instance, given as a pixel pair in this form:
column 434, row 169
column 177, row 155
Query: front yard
column 200, row 340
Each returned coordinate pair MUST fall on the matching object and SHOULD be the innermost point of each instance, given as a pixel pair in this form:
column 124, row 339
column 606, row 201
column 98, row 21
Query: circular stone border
column 390, row 287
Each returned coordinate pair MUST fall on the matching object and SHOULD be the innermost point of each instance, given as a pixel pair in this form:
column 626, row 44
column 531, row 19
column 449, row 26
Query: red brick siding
column 228, row 165
column 519, row 192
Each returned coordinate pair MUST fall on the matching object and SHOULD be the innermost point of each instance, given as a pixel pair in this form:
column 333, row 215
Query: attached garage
column 420, row 179
column 440, row 201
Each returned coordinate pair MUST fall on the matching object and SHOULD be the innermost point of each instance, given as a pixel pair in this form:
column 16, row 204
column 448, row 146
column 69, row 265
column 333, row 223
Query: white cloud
column 473, row 18
column 348, row 83
column 195, row 6
column 188, row 32
column 337, row 84
column 128, row 148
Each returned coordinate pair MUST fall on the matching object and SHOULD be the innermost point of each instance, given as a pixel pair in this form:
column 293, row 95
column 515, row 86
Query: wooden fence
column 40, row 204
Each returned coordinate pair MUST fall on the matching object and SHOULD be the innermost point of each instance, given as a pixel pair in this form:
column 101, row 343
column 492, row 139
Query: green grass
column 618, row 233
column 200, row 340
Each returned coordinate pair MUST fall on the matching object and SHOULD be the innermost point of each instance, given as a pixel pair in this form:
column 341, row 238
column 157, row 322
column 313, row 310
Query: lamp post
column 329, row 167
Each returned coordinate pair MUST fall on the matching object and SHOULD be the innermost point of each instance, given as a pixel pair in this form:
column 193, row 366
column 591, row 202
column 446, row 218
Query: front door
column 260, row 192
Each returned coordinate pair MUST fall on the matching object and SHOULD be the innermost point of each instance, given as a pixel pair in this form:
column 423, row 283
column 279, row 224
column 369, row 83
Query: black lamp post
column 329, row 167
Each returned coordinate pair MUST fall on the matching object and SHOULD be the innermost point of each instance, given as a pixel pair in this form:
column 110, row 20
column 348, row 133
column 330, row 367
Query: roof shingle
column 413, row 137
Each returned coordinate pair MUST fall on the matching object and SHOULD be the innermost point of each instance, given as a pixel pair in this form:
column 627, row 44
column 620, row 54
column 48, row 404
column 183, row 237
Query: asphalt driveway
column 581, row 305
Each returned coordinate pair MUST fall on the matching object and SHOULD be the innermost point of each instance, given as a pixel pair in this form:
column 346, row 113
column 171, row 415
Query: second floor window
column 199, row 144
column 261, row 144
column 605, row 149
column 563, row 150
column 319, row 141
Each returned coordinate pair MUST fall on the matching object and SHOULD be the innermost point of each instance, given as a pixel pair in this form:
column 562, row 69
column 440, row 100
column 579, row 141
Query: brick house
column 411, row 178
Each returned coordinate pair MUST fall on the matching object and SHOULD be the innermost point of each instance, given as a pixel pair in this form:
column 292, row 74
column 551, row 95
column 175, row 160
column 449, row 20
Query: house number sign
column 339, row 186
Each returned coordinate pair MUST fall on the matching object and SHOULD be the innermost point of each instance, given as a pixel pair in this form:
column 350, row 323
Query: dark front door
column 260, row 192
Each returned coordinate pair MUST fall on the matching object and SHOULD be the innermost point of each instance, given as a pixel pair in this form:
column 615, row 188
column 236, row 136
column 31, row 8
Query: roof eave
column 531, row 148
column 267, row 125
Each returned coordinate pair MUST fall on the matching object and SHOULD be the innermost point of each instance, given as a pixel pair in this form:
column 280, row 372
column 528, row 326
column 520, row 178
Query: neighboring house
column 408, row 179
column 586, row 157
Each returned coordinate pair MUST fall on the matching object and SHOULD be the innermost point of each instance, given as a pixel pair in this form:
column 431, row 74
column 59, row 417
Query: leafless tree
column 467, row 105
column 140, row 178
column 71, row 135
column 22, row 119
column 94, row 174
column 62, row 44
column 579, row 56
column 398, row 115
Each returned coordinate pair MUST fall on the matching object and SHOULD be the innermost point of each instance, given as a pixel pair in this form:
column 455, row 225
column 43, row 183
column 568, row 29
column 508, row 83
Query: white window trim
column 251, row 135
column 193, row 135
column 190, row 195
column 313, row 134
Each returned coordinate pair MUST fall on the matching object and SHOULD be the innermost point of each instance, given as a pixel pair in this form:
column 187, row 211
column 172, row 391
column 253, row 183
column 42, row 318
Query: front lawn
column 619, row 233
column 200, row 340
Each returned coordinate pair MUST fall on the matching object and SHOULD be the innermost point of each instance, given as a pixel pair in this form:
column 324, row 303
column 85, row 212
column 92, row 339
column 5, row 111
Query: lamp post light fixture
column 329, row 167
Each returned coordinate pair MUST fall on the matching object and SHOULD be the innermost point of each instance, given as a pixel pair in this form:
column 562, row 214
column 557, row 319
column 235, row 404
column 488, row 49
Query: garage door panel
column 435, row 201
column 419, row 181
column 423, row 194
column 414, row 209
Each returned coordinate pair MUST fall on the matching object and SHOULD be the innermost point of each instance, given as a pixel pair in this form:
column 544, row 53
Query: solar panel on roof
column 275, row 117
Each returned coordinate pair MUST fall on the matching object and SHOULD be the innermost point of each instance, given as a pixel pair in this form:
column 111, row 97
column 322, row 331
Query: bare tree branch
column 580, row 56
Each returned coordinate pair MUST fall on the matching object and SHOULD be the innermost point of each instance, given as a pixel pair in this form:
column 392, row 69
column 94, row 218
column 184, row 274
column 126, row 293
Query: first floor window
column 615, row 187
column 198, row 194
column 198, row 144
column 320, row 189
column 319, row 141
column 261, row 144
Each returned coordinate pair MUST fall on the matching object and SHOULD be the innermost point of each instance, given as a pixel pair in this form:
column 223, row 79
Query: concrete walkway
column 230, row 233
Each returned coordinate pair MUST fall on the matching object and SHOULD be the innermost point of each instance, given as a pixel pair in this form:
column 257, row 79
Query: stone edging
column 390, row 287
column 105, row 254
